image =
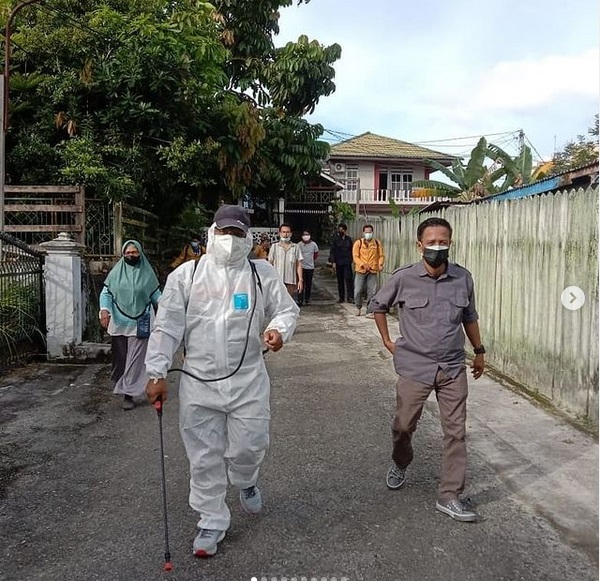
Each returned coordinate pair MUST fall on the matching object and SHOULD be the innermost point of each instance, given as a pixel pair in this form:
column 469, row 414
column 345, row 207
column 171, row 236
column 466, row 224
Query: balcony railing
column 401, row 197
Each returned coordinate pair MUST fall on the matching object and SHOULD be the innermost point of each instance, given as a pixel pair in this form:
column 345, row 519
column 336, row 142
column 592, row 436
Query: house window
column 351, row 177
column 400, row 184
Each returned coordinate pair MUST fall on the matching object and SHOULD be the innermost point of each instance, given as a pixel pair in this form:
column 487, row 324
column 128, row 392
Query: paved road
column 80, row 481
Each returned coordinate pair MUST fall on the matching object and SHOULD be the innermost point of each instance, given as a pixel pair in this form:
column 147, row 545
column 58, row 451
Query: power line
column 337, row 135
column 467, row 137
column 507, row 140
column 534, row 149
column 78, row 24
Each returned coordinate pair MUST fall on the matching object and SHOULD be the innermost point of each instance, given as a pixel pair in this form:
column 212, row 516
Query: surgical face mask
column 306, row 238
column 435, row 255
column 132, row 260
column 229, row 248
column 285, row 238
column 368, row 235
column 195, row 245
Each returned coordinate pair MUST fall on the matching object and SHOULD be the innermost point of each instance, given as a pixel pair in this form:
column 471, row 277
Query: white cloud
column 529, row 84
column 412, row 74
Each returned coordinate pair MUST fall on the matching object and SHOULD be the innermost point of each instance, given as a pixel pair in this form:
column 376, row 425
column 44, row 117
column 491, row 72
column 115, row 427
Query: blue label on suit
column 240, row 302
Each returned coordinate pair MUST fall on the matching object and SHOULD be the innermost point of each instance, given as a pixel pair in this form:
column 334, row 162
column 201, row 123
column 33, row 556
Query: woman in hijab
column 130, row 292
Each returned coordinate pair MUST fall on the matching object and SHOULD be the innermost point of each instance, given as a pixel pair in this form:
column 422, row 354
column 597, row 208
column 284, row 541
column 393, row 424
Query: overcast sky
column 434, row 69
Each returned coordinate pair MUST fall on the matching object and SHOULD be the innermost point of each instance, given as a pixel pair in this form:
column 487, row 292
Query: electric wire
column 78, row 24
column 466, row 137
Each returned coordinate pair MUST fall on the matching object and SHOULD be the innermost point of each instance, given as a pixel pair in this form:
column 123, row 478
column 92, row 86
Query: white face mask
column 368, row 235
column 306, row 238
column 284, row 238
column 229, row 248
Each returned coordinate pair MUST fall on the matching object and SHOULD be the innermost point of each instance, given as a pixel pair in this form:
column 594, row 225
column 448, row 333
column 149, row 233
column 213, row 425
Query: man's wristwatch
column 479, row 350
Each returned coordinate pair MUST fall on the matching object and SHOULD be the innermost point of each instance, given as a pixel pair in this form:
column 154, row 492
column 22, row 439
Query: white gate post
column 64, row 305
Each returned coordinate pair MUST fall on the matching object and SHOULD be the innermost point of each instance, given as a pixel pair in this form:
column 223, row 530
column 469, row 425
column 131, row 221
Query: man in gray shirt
column 436, row 302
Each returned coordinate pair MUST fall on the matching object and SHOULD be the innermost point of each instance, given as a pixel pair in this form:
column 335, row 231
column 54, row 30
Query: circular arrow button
column 572, row 298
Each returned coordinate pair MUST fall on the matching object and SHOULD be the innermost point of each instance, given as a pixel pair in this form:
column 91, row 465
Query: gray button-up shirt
column 432, row 311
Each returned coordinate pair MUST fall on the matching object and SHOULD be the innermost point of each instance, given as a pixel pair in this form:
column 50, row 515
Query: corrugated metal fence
column 523, row 254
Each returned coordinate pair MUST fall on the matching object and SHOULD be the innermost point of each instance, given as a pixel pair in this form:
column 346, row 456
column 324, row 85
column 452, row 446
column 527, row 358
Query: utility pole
column 521, row 150
column 521, row 140
column 4, row 97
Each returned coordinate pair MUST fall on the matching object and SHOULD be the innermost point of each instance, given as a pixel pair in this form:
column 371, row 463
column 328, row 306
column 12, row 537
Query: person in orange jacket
column 261, row 250
column 368, row 258
column 192, row 251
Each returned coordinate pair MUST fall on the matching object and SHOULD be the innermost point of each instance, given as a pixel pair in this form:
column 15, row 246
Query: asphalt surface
column 80, row 479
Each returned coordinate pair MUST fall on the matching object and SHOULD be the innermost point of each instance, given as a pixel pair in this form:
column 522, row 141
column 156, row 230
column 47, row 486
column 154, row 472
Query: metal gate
column 22, row 314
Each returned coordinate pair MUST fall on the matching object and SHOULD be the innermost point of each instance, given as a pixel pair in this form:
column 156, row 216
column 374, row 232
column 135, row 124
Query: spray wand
column 168, row 566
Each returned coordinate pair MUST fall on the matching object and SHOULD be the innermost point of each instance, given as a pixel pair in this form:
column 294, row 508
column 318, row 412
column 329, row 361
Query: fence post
column 118, row 227
column 80, row 214
column 64, row 305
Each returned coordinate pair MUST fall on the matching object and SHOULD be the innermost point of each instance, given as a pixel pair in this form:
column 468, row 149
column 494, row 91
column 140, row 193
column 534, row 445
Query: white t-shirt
column 284, row 259
column 308, row 250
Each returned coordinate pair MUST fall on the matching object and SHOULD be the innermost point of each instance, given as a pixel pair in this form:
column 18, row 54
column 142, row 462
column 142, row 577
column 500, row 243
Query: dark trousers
column 345, row 280
column 307, row 277
column 119, row 356
column 452, row 401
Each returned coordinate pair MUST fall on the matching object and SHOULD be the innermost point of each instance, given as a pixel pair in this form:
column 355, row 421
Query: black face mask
column 132, row 260
column 436, row 255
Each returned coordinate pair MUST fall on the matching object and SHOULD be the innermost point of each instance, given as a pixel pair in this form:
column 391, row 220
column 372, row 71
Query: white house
column 375, row 169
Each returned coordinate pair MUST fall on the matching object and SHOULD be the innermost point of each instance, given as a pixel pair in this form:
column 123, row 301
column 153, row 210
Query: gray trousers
column 129, row 371
column 451, row 394
column 360, row 280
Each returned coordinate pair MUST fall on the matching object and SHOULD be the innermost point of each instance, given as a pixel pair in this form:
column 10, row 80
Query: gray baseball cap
column 232, row 217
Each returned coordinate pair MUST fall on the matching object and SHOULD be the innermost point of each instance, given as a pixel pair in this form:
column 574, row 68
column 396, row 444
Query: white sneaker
column 205, row 543
column 457, row 510
column 251, row 499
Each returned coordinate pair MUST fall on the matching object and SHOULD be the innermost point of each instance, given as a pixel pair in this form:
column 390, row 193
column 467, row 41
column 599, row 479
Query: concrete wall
column 523, row 254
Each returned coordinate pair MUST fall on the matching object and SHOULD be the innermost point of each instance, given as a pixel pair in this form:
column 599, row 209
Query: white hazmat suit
column 219, row 310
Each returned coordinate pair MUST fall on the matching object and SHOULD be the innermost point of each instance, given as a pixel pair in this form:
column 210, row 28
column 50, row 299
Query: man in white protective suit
column 219, row 309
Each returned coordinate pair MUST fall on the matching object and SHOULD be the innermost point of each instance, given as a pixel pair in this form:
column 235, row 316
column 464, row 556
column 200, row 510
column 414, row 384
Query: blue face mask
column 195, row 245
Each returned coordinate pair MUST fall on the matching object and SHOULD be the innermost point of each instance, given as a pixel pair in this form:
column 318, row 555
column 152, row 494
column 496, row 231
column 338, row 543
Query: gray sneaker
column 395, row 478
column 251, row 499
column 205, row 543
column 457, row 510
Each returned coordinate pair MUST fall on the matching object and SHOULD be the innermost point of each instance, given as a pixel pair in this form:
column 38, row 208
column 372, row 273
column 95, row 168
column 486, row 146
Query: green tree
column 341, row 212
column 98, row 87
column 163, row 102
column 576, row 153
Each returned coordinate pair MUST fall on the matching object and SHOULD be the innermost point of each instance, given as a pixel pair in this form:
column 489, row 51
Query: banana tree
column 476, row 179
column 517, row 171
column 467, row 179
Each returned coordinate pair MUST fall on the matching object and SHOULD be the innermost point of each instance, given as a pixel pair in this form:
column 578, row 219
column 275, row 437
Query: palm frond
column 447, row 172
column 475, row 168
